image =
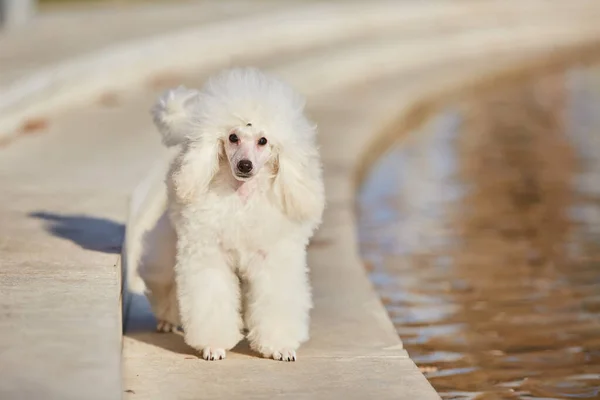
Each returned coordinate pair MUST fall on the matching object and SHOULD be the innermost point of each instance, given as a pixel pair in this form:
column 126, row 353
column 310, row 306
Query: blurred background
column 478, row 218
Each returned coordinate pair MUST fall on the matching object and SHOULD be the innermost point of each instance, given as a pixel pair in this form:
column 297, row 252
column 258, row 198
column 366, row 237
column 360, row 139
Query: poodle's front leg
column 278, row 301
column 209, row 300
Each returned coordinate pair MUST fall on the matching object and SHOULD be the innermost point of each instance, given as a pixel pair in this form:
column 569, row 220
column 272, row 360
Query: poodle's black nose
column 245, row 166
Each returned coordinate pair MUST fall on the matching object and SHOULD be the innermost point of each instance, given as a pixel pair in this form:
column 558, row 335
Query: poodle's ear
column 175, row 115
column 194, row 168
column 298, row 184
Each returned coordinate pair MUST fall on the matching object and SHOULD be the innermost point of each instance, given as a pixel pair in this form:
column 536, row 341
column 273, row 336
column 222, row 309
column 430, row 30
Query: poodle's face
column 247, row 150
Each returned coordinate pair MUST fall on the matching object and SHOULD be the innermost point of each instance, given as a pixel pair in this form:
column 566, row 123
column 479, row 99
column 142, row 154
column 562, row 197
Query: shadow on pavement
column 91, row 233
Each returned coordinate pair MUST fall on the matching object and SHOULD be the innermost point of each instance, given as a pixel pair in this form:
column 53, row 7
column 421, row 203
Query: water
column 481, row 232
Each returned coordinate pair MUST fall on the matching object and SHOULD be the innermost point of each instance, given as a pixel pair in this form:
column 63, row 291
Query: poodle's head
column 256, row 125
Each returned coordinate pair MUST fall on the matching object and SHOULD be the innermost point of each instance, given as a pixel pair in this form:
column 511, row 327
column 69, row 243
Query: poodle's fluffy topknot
column 229, row 98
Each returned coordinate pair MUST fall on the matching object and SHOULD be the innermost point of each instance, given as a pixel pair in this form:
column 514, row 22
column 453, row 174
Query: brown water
column 482, row 235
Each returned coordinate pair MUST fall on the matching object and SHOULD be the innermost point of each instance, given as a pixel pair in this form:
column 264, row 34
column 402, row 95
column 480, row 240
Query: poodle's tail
column 173, row 114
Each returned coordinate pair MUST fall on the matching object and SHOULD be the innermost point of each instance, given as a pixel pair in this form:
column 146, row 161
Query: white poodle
column 245, row 194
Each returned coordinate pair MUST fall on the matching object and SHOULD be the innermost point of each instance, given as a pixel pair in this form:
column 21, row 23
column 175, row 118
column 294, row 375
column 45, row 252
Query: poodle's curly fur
column 245, row 194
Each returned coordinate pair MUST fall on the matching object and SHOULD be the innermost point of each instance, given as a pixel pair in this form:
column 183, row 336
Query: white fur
column 170, row 114
column 237, row 254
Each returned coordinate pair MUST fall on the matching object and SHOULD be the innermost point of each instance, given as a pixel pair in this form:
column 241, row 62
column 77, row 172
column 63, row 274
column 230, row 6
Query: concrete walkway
column 49, row 39
column 65, row 189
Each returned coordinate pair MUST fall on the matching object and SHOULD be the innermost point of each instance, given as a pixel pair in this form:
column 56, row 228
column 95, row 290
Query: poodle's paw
column 284, row 355
column 167, row 327
column 167, row 314
column 213, row 353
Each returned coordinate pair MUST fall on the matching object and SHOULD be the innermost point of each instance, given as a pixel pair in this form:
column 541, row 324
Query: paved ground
column 65, row 189
column 49, row 38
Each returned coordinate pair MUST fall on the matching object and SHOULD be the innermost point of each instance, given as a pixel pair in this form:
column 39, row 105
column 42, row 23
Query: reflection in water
column 483, row 236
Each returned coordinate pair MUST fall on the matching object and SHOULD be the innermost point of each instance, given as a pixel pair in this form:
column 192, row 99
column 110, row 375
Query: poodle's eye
column 233, row 138
column 262, row 141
